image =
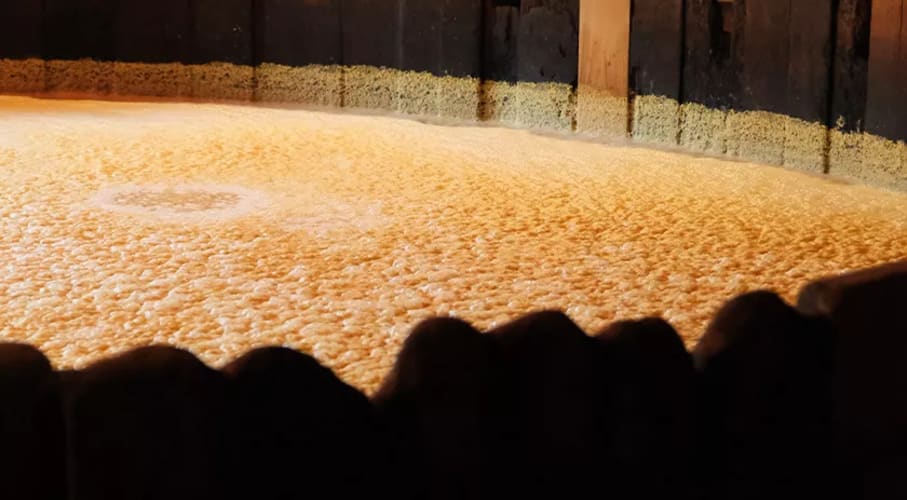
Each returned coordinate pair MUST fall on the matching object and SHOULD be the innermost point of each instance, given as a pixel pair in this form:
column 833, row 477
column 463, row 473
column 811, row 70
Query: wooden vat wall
column 810, row 84
column 813, row 84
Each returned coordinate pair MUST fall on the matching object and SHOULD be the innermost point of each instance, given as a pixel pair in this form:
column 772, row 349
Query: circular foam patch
column 181, row 202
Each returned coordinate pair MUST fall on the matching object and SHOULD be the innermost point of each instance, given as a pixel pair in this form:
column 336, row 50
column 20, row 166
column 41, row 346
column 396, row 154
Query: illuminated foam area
column 221, row 228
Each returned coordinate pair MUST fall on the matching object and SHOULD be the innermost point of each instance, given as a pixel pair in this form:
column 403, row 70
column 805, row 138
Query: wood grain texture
column 535, row 41
column 461, row 37
column 443, row 38
column 656, row 48
column 885, row 113
column 501, row 27
column 604, row 46
column 901, row 132
column 713, row 53
column 548, row 41
column 851, row 65
column 766, row 55
column 810, row 59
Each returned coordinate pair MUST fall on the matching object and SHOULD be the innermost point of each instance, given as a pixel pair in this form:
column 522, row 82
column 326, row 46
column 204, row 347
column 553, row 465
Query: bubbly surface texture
column 221, row 228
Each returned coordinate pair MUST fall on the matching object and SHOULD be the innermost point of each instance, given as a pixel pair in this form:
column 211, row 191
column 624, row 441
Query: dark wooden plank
column 442, row 38
column 548, row 41
column 20, row 36
column 884, row 104
column 222, row 31
column 656, row 47
column 372, row 50
column 502, row 20
column 76, row 29
column 421, row 35
column 712, row 58
column 371, row 33
column 461, row 37
column 809, row 69
column 697, row 49
column 851, row 64
column 901, row 132
column 766, row 56
column 298, row 33
column 153, row 32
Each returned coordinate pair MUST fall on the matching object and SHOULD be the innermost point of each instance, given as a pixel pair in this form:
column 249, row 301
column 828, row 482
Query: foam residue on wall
column 601, row 114
column 369, row 87
column 779, row 139
column 417, row 93
column 549, row 106
column 314, row 84
column 159, row 79
column 223, row 81
column 868, row 158
column 656, row 119
column 21, row 75
column 755, row 136
column 79, row 76
column 460, row 97
column 703, row 129
column 805, row 145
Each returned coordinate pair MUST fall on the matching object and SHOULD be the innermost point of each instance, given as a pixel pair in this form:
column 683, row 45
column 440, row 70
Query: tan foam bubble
column 121, row 225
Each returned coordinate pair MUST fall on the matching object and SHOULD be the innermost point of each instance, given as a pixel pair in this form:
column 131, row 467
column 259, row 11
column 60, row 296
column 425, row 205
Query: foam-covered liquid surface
column 221, row 228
